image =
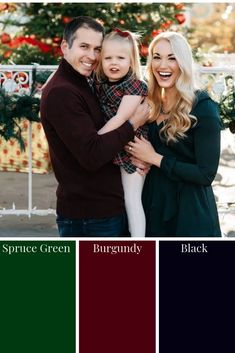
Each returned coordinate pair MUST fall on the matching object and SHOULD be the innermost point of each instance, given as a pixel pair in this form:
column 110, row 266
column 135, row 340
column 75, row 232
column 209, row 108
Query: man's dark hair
column 78, row 22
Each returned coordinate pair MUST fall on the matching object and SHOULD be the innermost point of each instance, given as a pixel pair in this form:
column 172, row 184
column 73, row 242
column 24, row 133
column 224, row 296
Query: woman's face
column 164, row 65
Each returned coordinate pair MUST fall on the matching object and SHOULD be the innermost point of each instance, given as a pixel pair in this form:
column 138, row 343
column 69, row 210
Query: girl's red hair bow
column 121, row 33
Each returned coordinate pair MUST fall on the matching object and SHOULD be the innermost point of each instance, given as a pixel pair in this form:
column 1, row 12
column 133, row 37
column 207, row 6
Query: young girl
column 120, row 91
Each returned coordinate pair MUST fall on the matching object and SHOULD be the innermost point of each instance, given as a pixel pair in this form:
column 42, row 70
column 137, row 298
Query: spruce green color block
column 37, row 296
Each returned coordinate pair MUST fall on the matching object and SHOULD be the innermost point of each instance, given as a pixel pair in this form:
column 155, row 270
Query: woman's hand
column 141, row 167
column 143, row 150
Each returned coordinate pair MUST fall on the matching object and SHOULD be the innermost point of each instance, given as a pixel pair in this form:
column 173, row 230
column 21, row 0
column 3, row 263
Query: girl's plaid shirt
column 110, row 95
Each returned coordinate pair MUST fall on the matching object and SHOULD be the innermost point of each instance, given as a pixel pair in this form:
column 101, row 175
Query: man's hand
column 140, row 115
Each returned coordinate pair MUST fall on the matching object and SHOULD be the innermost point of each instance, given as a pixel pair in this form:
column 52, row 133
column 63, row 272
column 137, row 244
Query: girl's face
column 116, row 60
column 164, row 65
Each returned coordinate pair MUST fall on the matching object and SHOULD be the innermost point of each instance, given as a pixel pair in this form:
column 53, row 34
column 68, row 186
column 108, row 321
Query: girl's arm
column 126, row 109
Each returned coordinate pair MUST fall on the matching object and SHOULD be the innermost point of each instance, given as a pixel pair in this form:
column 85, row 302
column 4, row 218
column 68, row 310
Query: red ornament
column 179, row 6
column 66, row 19
column 166, row 24
column 180, row 18
column 57, row 40
column 144, row 50
column 5, row 38
column 155, row 32
column 57, row 52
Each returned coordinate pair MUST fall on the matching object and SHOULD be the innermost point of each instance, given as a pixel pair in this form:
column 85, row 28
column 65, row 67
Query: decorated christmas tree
column 38, row 36
column 32, row 33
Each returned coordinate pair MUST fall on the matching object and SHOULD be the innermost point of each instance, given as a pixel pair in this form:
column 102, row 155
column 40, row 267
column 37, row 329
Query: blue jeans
column 93, row 227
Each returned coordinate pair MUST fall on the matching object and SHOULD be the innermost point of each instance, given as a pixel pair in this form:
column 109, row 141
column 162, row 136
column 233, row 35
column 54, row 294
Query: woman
column 184, row 147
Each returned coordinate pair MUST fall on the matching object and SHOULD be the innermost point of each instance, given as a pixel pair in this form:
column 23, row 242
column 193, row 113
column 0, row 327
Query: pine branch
column 13, row 109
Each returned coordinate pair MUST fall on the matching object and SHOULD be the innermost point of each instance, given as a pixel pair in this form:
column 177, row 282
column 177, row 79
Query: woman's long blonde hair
column 180, row 120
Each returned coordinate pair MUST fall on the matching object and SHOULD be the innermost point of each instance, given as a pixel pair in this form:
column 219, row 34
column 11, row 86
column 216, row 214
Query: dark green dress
column 178, row 198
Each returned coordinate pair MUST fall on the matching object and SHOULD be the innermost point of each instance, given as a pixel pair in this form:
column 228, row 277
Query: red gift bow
column 121, row 33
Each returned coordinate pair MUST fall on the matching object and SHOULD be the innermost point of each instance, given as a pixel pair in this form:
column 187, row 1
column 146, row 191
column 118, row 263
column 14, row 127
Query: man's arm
column 67, row 120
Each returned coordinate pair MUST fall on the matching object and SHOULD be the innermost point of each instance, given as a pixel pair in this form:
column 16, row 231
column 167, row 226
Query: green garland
column 227, row 111
column 13, row 109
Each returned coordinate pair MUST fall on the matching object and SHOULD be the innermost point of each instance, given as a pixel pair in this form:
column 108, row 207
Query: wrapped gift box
column 13, row 159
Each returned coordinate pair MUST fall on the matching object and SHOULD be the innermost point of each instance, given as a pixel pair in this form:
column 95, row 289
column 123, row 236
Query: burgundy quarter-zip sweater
column 89, row 184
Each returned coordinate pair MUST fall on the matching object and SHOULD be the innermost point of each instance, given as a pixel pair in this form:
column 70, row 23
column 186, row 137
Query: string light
column 227, row 12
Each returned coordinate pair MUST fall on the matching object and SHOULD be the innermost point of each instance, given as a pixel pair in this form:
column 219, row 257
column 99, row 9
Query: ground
column 14, row 188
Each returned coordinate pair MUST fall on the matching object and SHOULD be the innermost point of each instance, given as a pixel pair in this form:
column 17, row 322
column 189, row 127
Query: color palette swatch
column 37, row 296
column 112, row 296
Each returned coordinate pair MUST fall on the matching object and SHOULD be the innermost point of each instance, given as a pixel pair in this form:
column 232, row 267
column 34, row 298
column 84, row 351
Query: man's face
column 84, row 54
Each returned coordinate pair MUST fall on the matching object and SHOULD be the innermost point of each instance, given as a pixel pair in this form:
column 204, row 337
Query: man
column 90, row 198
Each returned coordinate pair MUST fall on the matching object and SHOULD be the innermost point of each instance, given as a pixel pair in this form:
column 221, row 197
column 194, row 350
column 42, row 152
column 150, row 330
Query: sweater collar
column 73, row 74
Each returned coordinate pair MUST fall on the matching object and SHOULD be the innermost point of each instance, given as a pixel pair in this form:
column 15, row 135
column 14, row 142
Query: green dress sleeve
column 206, row 144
